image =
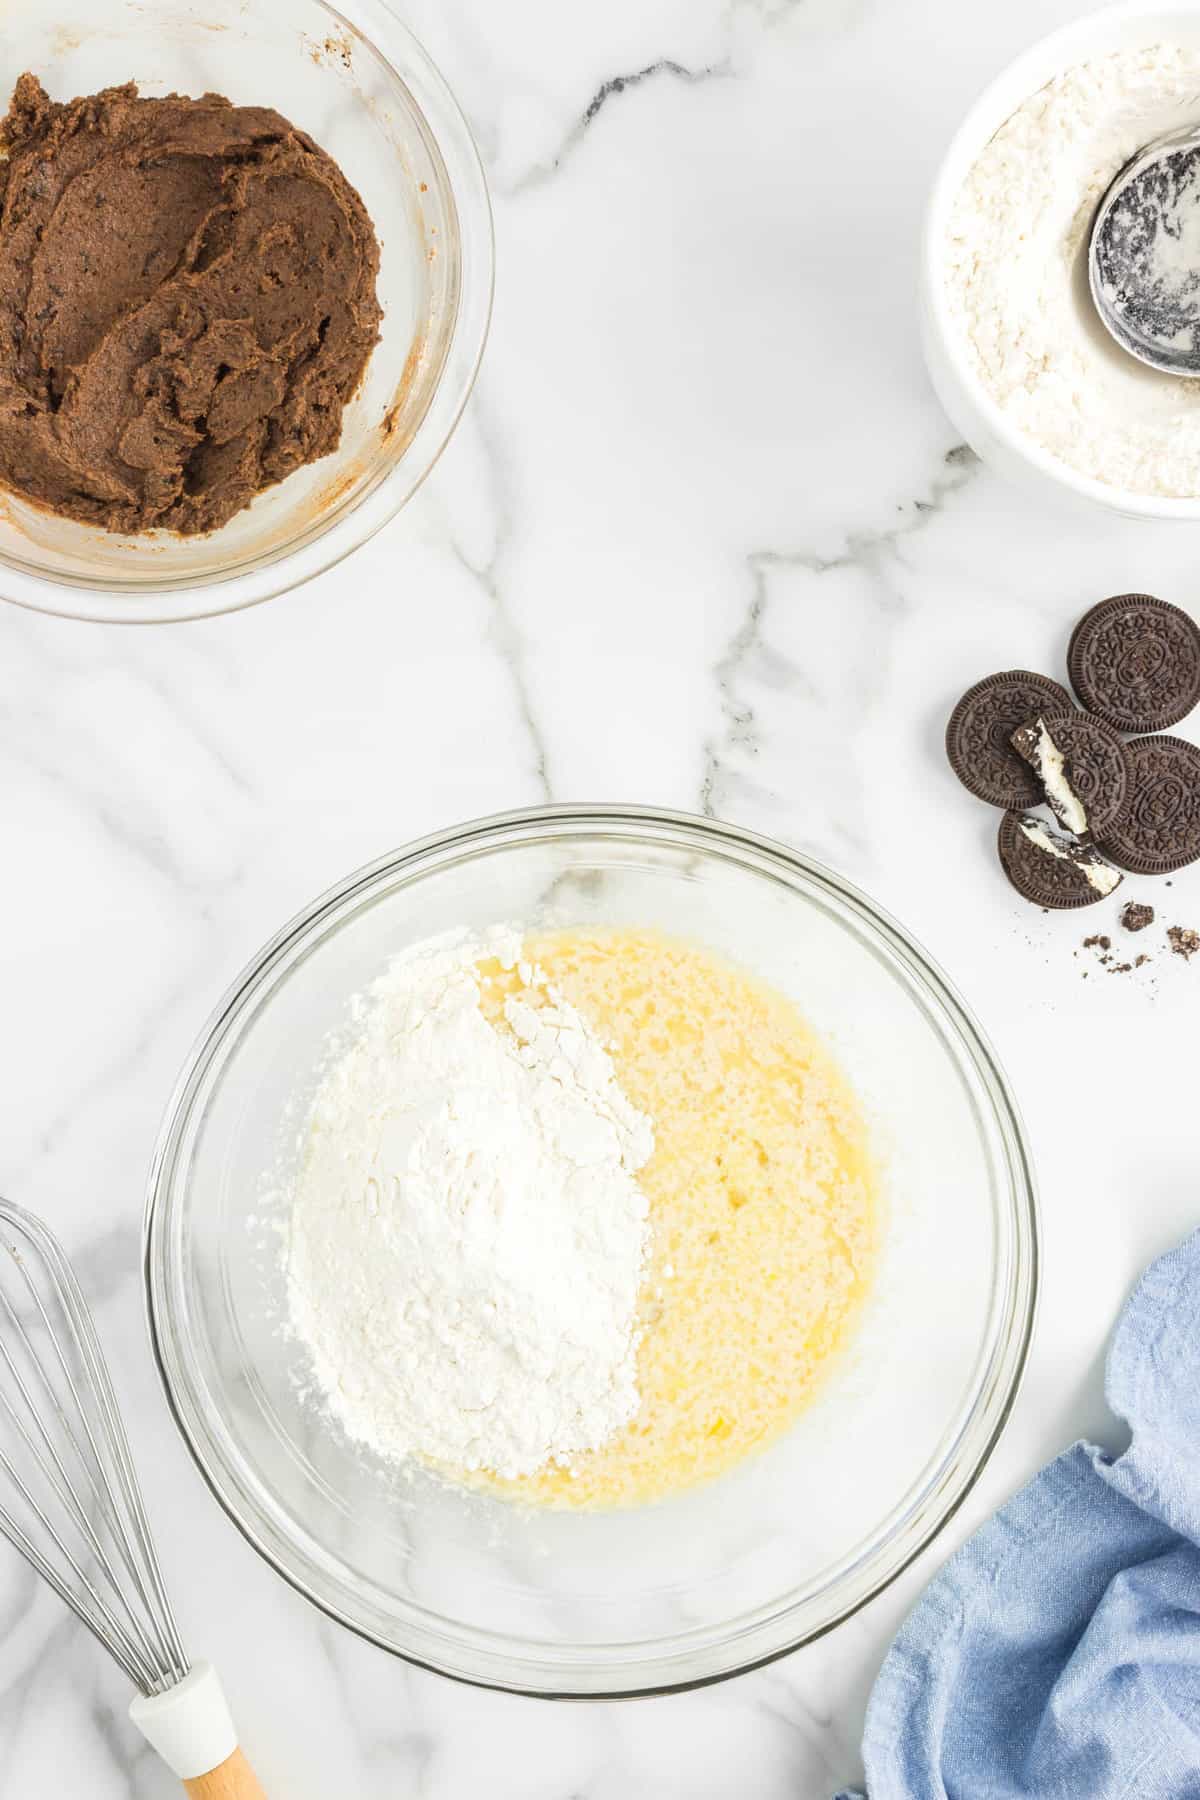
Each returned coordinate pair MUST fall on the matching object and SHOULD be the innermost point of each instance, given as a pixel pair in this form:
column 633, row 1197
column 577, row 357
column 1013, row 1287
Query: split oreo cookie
column 1159, row 827
column 1134, row 661
column 1082, row 766
column 979, row 735
column 1049, row 869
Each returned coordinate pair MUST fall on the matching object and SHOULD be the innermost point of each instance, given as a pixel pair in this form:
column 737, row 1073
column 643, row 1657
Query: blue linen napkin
column 1057, row 1655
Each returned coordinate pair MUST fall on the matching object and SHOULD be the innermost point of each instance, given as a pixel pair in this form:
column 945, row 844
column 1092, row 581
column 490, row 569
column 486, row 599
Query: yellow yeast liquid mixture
column 763, row 1207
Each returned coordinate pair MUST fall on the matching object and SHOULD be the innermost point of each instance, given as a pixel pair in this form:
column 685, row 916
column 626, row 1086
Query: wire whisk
column 70, row 1503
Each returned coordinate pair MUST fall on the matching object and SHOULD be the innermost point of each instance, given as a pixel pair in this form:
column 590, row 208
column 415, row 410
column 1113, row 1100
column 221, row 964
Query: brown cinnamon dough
column 187, row 302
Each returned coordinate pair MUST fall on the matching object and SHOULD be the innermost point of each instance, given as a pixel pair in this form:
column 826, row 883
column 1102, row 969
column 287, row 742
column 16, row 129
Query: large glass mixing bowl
column 361, row 85
column 722, row 1577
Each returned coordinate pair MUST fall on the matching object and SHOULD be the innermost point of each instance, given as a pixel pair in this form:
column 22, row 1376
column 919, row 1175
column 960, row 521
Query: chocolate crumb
column 1140, row 962
column 1097, row 941
column 1120, row 968
column 1183, row 940
column 1136, row 917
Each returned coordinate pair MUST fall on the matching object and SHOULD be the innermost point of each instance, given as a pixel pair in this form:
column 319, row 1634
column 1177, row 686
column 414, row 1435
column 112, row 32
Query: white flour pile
column 1016, row 274
column 467, row 1232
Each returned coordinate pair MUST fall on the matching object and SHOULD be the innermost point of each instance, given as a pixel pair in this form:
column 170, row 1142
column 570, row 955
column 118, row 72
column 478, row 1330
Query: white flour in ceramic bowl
column 1015, row 275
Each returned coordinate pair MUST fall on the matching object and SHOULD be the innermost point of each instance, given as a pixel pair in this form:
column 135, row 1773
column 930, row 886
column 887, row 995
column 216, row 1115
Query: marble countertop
column 704, row 539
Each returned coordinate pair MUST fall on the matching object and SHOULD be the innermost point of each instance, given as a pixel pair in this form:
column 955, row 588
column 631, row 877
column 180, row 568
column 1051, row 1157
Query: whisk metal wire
column 73, row 1508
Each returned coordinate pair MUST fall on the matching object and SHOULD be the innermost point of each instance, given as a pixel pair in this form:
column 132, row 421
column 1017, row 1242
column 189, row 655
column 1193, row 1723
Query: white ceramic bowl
column 983, row 424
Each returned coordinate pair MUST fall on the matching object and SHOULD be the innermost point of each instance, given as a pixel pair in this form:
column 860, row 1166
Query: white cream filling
column 1052, row 773
column 1099, row 874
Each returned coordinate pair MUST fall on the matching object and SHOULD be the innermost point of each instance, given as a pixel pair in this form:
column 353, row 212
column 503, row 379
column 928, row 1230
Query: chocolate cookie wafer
column 1082, row 767
column 980, row 729
column 1134, row 661
column 1159, row 827
column 1049, row 869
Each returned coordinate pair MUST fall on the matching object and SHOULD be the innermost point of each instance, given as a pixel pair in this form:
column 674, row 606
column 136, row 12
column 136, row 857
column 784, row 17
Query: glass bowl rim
column 256, row 578
column 962, row 1455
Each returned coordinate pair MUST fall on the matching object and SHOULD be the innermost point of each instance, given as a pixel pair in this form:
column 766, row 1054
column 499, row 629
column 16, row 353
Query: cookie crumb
column 1183, row 940
column 1135, row 916
column 1097, row 941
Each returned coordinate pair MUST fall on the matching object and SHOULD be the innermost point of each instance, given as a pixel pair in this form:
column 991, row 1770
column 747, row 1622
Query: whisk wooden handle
column 233, row 1779
column 190, row 1727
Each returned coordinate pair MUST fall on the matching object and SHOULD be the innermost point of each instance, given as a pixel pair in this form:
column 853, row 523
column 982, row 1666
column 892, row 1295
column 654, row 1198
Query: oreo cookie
column 1049, row 869
column 1134, row 661
column 980, row 729
column 1081, row 766
column 1159, row 827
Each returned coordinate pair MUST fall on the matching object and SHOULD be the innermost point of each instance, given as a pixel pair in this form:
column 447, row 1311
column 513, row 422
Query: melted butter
column 763, row 1208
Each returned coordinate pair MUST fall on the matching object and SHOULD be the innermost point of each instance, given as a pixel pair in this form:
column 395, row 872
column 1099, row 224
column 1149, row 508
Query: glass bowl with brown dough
column 245, row 277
